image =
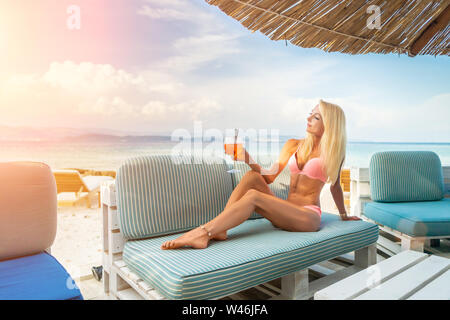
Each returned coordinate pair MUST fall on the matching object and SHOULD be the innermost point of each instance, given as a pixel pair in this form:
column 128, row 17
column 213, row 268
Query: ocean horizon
column 109, row 154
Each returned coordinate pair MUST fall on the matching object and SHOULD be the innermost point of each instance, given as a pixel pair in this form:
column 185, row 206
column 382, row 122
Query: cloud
column 102, row 95
column 296, row 110
column 170, row 14
column 192, row 52
column 171, row 10
column 91, row 78
column 195, row 109
column 203, row 39
column 106, row 106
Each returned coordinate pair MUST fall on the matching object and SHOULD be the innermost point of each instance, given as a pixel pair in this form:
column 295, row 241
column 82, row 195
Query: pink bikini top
column 312, row 168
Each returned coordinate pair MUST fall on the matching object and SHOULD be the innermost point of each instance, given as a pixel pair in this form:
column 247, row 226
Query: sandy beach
column 78, row 246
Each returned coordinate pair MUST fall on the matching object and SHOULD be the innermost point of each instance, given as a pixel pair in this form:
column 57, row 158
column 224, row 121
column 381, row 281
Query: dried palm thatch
column 420, row 27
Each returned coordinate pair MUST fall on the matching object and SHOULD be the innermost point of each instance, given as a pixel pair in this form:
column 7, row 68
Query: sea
column 109, row 154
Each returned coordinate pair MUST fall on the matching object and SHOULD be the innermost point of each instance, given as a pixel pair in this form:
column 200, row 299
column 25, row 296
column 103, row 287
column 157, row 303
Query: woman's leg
column 281, row 213
column 251, row 180
column 198, row 238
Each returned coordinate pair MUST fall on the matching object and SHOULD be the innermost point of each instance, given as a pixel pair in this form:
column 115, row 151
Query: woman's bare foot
column 196, row 238
column 221, row 236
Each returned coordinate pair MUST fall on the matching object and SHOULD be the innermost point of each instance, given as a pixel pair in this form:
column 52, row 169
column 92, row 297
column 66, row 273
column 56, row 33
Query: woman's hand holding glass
column 237, row 151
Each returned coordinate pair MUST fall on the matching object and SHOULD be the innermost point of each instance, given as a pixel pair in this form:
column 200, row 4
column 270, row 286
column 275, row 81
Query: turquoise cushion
column 280, row 187
column 406, row 176
column 417, row 219
column 256, row 252
column 159, row 195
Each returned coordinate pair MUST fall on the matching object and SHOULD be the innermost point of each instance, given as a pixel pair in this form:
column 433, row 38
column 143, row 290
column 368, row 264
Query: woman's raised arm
column 270, row 174
column 338, row 197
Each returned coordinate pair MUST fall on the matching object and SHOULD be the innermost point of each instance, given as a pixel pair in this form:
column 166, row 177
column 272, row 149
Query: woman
column 320, row 156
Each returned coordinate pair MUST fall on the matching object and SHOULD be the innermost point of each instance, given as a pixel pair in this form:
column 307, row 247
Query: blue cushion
column 424, row 218
column 36, row 277
column 161, row 194
column 256, row 252
column 406, row 176
column 279, row 187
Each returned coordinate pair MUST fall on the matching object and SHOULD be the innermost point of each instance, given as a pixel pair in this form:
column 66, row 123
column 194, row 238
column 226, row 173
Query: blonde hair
column 333, row 142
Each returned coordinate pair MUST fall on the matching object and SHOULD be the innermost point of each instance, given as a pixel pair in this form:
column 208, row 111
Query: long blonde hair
column 333, row 142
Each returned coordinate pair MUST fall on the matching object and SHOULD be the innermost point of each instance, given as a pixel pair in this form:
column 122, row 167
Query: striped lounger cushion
column 161, row 194
column 397, row 176
column 255, row 253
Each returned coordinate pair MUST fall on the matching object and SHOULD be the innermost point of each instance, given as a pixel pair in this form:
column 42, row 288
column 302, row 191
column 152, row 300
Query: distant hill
column 113, row 138
column 24, row 133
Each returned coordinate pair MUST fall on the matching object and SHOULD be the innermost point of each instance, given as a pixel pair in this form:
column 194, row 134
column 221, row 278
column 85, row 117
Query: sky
column 156, row 66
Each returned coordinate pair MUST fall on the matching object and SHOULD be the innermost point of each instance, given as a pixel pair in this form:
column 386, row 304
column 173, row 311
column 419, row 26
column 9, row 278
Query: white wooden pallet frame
column 122, row 283
column 407, row 275
column 360, row 194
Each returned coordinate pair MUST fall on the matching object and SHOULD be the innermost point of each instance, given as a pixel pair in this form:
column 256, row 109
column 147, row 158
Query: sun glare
column 2, row 33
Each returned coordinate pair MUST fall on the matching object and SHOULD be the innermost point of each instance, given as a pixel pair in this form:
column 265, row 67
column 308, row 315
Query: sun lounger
column 407, row 199
column 345, row 185
column 153, row 198
column 27, row 231
column 72, row 187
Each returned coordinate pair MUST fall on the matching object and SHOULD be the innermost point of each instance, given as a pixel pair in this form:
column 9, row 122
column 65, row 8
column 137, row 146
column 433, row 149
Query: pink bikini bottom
column 314, row 208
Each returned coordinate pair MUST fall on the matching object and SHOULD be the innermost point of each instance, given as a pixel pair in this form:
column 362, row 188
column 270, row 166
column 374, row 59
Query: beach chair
column 345, row 185
column 28, row 209
column 154, row 198
column 408, row 200
column 73, row 188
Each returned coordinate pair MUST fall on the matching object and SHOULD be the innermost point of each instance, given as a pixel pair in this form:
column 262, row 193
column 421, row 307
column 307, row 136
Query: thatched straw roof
column 412, row 27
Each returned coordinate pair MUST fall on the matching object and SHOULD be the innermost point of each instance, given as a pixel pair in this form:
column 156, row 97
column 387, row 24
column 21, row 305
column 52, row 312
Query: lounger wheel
column 97, row 272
